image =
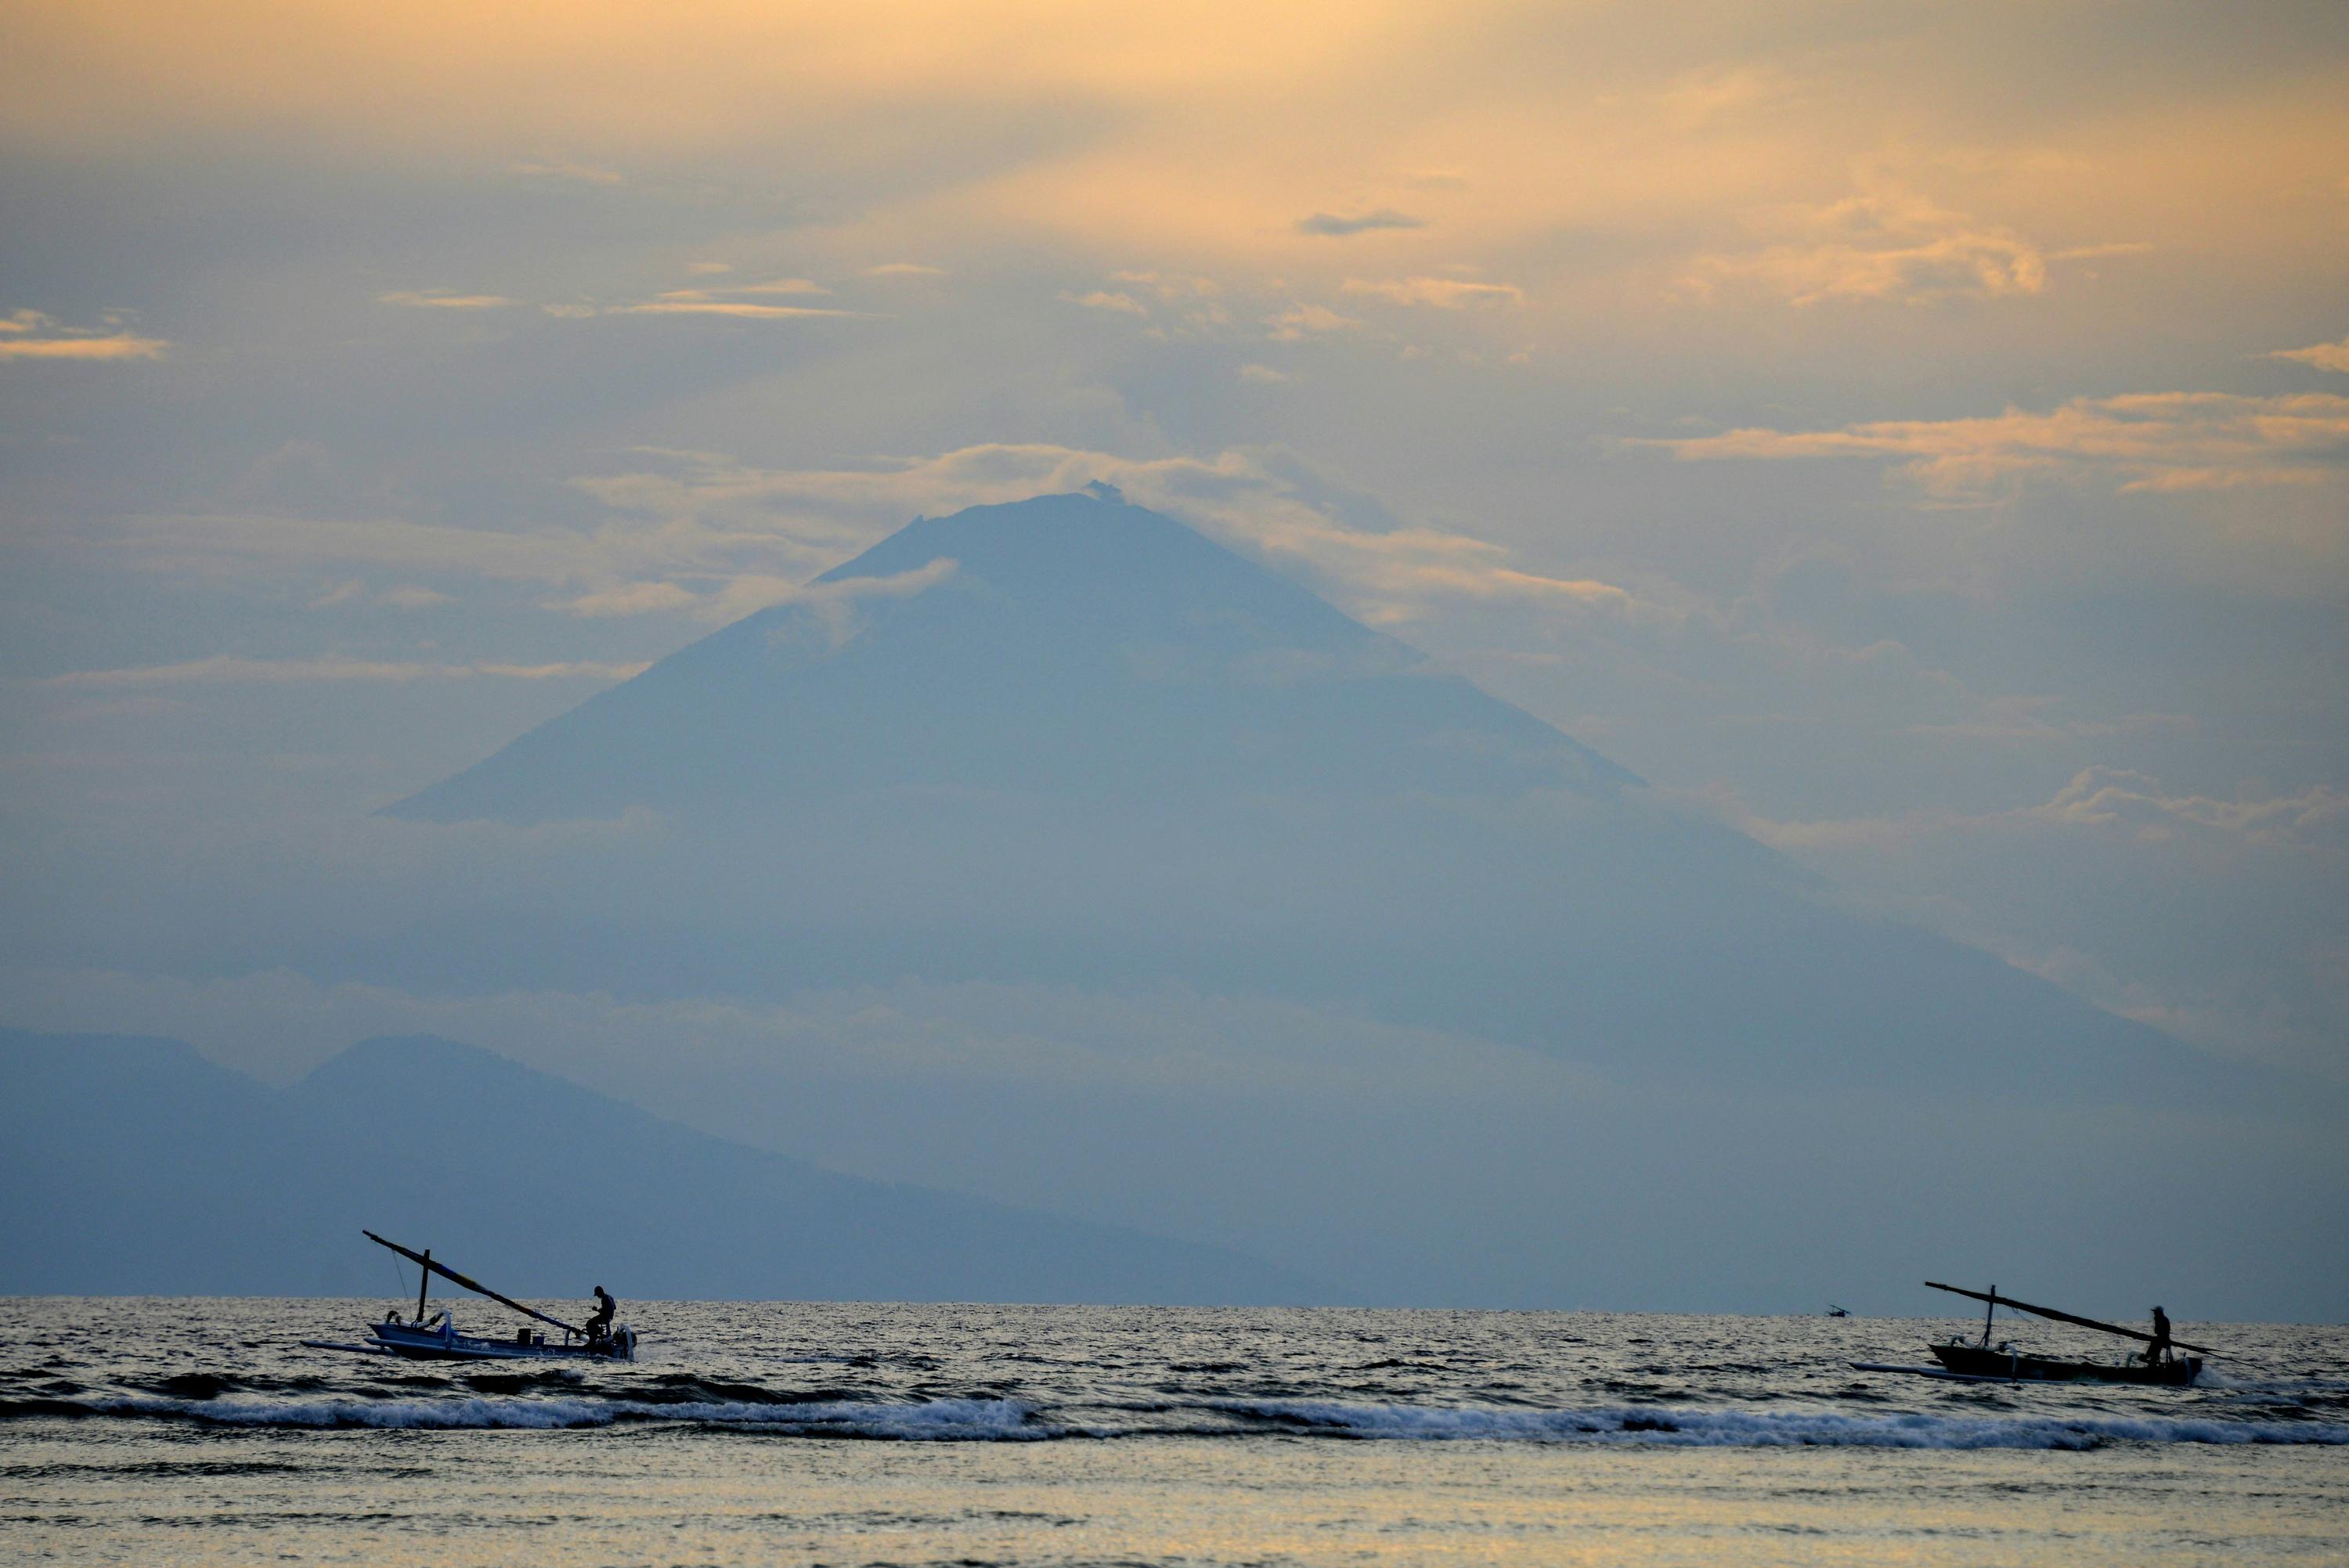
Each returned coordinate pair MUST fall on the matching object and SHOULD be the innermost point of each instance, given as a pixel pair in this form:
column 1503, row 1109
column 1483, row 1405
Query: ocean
column 199, row 1432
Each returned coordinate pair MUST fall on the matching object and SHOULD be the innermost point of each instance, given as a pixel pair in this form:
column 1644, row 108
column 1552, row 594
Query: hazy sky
column 1919, row 433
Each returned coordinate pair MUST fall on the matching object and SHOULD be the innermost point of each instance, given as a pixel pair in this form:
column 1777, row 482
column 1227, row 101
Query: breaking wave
column 981, row 1419
column 1758, row 1429
column 939, row 1419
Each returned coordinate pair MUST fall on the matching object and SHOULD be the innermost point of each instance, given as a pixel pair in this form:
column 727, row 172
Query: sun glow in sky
column 1918, row 433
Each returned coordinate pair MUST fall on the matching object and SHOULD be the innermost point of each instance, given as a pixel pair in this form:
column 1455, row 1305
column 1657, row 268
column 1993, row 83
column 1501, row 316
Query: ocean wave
column 978, row 1419
column 934, row 1420
column 1761, row 1428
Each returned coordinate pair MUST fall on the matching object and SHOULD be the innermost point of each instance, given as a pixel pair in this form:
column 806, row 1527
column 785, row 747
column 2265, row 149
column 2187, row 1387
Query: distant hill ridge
column 135, row 1166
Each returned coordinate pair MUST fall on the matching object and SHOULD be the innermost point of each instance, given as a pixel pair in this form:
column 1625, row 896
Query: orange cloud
column 2322, row 356
column 1884, row 246
column 441, row 299
column 1103, row 299
column 1606, row 159
column 29, row 335
column 701, row 301
column 2144, row 442
column 1443, row 293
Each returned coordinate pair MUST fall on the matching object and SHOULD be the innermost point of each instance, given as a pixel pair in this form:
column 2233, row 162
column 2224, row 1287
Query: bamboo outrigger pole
column 444, row 1270
column 1997, row 1300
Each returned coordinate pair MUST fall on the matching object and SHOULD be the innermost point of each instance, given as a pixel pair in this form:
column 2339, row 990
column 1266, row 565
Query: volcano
column 1072, row 740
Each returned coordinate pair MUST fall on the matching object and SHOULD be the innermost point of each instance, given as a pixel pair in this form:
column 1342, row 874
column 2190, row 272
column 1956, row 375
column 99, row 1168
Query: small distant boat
column 1835, row 1311
column 437, row 1339
column 1982, row 1362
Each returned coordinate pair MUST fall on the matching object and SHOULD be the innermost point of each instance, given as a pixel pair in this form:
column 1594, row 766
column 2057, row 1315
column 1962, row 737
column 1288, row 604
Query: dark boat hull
column 445, row 1344
column 2017, row 1366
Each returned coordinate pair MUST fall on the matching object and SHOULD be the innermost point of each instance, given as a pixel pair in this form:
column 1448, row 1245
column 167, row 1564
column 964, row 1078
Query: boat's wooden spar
column 1997, row 1300
column 472, row 1284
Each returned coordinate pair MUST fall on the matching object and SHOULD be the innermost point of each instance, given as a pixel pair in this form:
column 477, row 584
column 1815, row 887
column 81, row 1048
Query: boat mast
column 1997, row 1300
column 423, row 1284
column 476, row 1287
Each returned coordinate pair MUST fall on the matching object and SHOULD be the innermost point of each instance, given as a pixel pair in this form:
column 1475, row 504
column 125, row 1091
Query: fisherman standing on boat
column 600, row 1326
column 2158, row 1350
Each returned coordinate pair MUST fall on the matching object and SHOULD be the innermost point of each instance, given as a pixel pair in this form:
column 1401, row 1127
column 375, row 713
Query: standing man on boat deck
column 2159, row 1349
column 600, row 1326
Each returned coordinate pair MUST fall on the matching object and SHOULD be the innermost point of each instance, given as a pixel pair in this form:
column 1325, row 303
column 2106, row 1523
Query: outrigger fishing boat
column 1982, row 1362
column 436, row 1337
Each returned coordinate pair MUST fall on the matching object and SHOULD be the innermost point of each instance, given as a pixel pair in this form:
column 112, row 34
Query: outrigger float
column 436, row 1337
column 1967, row 1361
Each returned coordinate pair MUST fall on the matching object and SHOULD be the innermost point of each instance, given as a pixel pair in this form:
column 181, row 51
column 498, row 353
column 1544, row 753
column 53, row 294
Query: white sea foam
column 1755, row 1429
column 449, row 1414
column 985, row 1420
column 939, row 1419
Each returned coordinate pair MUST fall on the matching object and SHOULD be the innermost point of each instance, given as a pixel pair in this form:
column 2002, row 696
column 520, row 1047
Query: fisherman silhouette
column 2158, row 1350
column 600, row 1326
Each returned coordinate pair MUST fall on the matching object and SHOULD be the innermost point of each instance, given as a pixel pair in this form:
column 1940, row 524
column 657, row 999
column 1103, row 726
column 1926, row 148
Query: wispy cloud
column 443, row 299
column 1395, row 576
column 1182, row 304
column 905, row 270
column 1334, row 225
column 407, row 598
column 562, row 169
column 1171, row 287
column 633, row 599
column 2099, row 252
column 2145, row 442
column 1302, row 321
column 2322, row 356
column 112, row 347
column 777, row 286
column 2099, row 798
column 747, row 592
column 1703, row 98
column 29, row 335
column 705, row 302
column 834, row 604
column 1442, row 294
column 690, row 531
column 1104, row 299
column 1388, row 575
column 2120, row 797
column 228, row 669
column 1881, row 245
column 271, row 543
column 717, row 540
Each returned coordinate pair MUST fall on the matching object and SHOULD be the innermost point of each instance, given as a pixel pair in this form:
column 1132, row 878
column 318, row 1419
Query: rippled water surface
column 200, row 1431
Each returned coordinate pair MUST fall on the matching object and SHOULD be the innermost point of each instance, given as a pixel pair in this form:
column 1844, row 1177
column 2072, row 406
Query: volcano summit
column 1069, row 648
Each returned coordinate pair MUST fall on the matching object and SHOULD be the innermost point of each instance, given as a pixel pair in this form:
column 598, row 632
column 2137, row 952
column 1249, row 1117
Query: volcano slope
column 1072, row 740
